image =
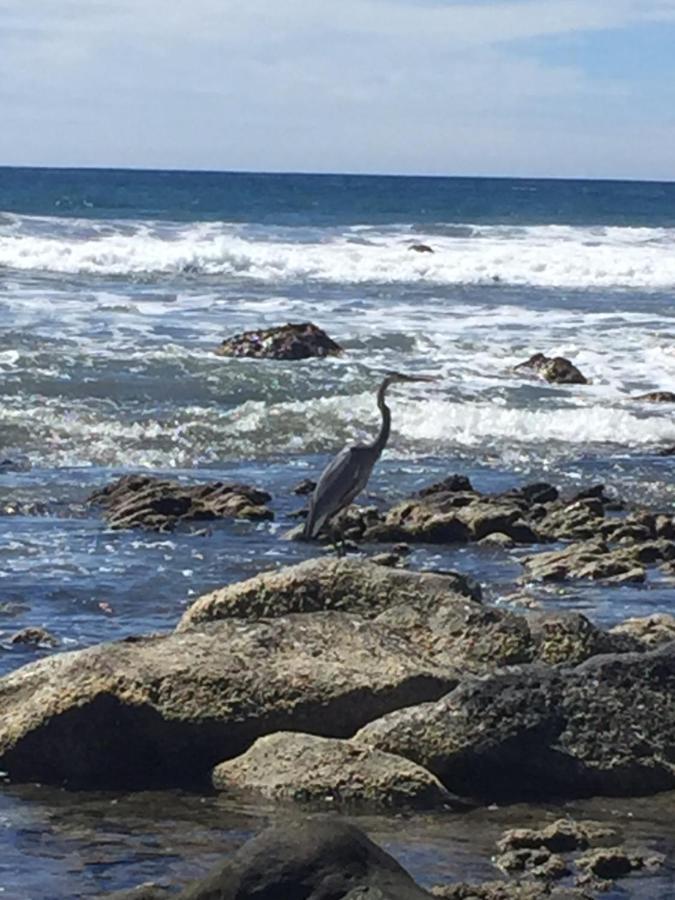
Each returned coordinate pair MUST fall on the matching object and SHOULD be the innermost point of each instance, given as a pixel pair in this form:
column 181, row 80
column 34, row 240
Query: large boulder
column 303, row 768
column 292, row 341
column 166, row 709
column 604, row 727
column 315, row 858
column 144, row 501
column 349, row 585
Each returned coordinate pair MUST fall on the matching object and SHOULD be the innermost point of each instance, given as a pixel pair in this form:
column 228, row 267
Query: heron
column 347, row 474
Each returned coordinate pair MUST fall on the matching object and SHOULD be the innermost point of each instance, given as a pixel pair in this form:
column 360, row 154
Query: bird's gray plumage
column 347, row 474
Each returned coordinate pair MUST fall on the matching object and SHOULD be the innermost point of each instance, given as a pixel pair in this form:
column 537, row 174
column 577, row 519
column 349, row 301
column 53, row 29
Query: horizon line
column 332, row 174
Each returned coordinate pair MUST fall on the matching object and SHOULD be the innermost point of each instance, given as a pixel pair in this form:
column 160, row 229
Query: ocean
column 115, row 289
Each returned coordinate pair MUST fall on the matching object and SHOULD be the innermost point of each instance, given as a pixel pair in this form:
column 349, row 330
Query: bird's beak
column 427, row 378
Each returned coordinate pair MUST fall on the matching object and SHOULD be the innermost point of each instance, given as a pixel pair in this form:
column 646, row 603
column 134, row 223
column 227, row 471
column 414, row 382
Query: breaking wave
column 540, row 256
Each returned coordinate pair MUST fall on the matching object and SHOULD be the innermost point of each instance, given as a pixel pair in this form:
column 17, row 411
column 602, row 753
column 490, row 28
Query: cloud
column 368, row 85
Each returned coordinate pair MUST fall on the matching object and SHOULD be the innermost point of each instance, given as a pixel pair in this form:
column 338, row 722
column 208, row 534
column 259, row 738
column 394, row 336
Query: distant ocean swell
column 544, row 256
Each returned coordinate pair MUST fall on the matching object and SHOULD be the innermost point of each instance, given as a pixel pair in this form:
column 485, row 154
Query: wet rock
column 556, row 370
column 538, row 863
column 657, row 397
column 616, row 862
column 605, row 727
column 589, row 559
column 561, row 836
column 9, row 610
column 143, row 501
column 166, row 709
column 14, row 465
column 356, row 586
column 421, row 248
column 288, row 342
column 667, row 451
column 306, row 486
column 649, row 630
column 303, row 768
column 148, row 891
column 34, row 637
column 453, row 484
column 577, row 521
column 387, row 559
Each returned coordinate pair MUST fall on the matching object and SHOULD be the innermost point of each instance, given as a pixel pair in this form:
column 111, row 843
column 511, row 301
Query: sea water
column 116, row 287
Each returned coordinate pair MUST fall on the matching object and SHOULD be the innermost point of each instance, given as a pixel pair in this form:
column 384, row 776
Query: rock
column 34, row 637
column 307, row 769
column 9, row 609
column 508, row 890
column 616, row 862
column 561, row 836
column 657, row 397
column 557, row 370
column 387, row 559
column 356, row 586
column 587, row 559
column 148, row 891
column 452, row 484
column 538, row 863
column 605, row 727
column 570, row 638
column 143, row 501
column 497, row 539
column 577, row 521
column 321, row 858
column 666, row 451
column 165, row 709
column 421, row 248
column 292, row 341
column 306, row 486
column 649, row 630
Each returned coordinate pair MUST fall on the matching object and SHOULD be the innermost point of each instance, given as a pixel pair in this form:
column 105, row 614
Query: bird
column 347, row 474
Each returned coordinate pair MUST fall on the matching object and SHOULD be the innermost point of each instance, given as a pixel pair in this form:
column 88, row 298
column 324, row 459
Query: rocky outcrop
column 303, row 768
column 555, row 370
column 561, row 836
column 509, row 890
column 598, row 561
column 616, row 862
column 355, row 586
column 34, row 636
column 289, row 342
column 143, row 501
column 604, row 727
column 166, row 709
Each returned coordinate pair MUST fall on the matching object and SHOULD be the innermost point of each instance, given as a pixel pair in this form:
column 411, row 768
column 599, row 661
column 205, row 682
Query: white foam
column 544, row 256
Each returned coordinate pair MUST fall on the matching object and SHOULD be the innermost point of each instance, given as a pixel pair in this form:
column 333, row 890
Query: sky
column 565, row 88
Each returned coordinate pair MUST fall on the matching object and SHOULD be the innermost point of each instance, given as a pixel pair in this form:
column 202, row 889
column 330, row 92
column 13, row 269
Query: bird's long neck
column 381, row 441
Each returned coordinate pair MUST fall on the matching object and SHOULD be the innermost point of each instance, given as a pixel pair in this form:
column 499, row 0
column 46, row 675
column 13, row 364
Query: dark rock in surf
column 163, row 710
column 285, row 342
column 667, row 451
column 508, row 890
column 421, row 248
column 555, row 370
column 143, row 501
column 657, row 397
column 34, row 637
column 605, row 727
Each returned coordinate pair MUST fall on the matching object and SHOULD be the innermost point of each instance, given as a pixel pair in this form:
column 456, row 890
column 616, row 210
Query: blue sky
column 512, row 87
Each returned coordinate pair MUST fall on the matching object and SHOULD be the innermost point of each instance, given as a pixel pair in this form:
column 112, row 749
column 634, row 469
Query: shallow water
column 115, row 288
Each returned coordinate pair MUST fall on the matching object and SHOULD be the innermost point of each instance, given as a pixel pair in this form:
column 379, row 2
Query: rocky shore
column 344, row 684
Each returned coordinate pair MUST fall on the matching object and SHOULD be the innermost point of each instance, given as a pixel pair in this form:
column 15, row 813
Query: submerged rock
column 304, row 768
column 144, row 501
column 421, row 248
column 290, row 342
column 349, row 585
column 556, row 370
column 166, row 709
column 604, row 727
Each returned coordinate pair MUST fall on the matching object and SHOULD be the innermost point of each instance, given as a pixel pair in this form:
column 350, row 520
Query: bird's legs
column 337, row 540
